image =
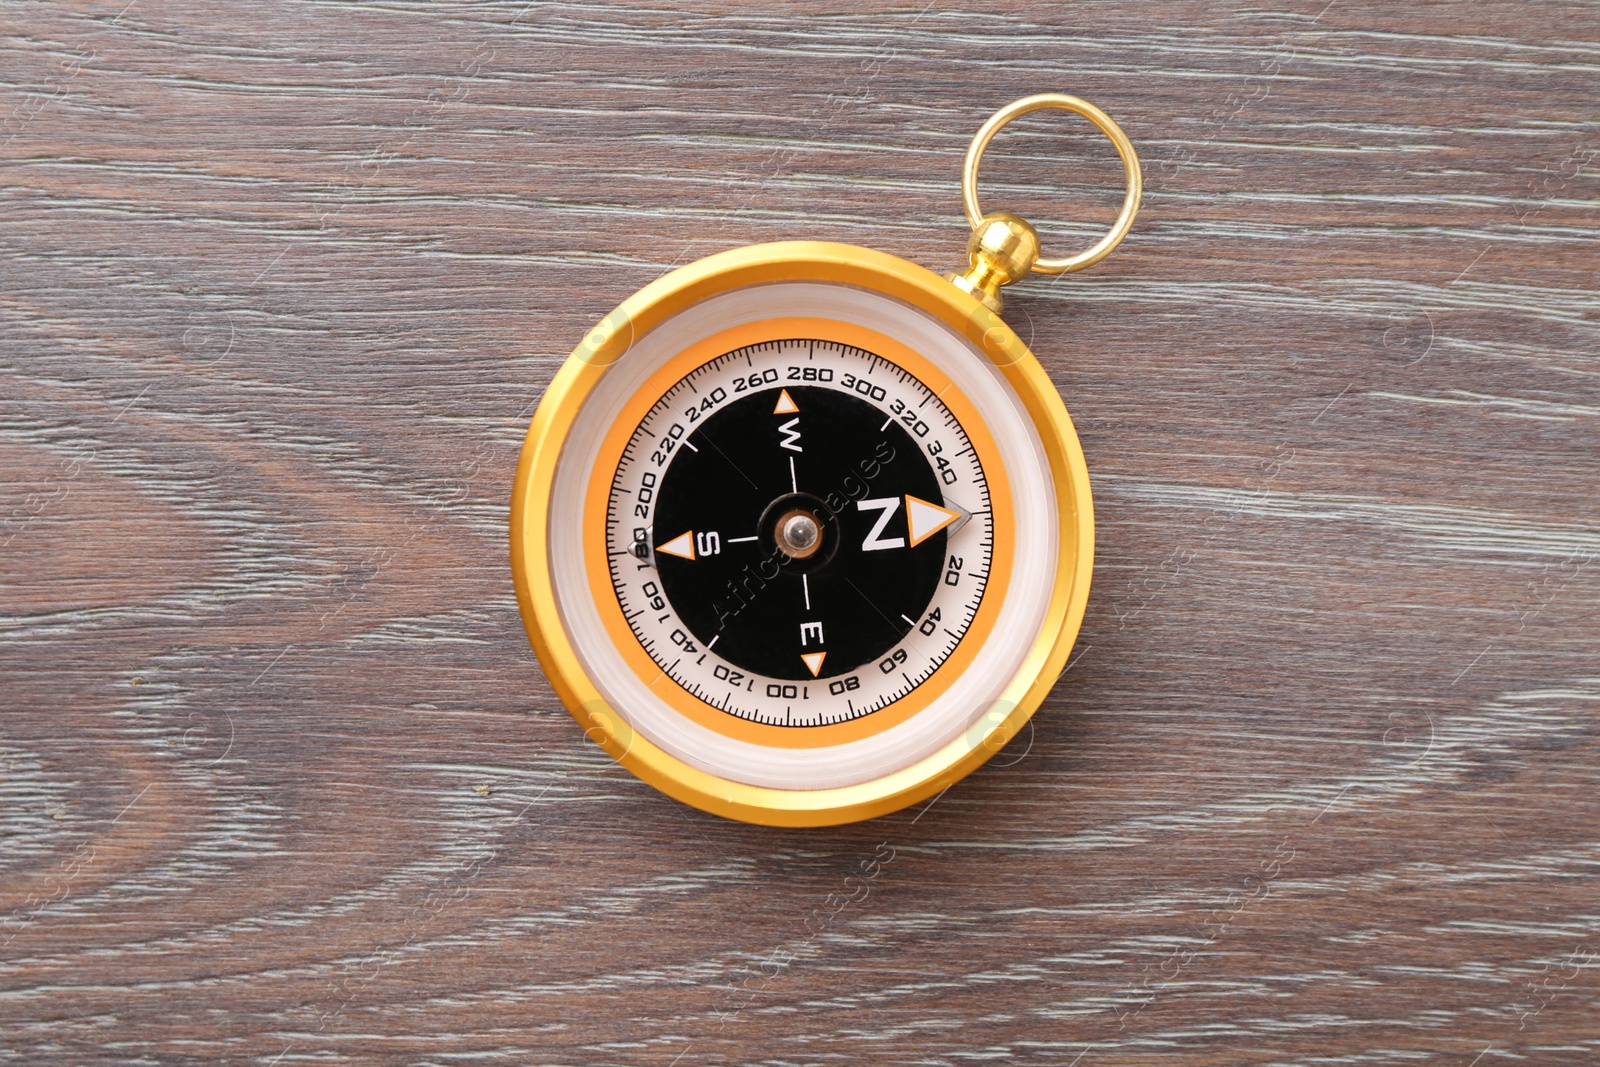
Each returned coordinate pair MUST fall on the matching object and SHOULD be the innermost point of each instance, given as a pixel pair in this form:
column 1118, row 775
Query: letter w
column 791, row 435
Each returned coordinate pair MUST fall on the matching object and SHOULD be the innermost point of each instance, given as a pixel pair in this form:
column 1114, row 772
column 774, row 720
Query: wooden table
column 283, row 783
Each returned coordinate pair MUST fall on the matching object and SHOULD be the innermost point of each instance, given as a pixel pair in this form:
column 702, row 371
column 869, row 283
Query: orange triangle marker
column 923, row 519
column 814, row 661
column 786, row 404
column 682, row 545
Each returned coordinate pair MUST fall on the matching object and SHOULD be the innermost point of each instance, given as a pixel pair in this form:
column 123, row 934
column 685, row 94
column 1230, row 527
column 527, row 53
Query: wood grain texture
column 281, row 782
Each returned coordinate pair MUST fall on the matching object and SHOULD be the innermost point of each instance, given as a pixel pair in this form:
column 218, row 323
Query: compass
column 802, row 532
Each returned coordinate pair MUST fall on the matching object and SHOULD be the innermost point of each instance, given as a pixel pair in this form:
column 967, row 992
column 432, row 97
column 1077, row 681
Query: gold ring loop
column 1130, row 164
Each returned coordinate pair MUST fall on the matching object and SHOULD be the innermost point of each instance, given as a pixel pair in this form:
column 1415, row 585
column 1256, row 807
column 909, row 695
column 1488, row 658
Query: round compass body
column 802, row 533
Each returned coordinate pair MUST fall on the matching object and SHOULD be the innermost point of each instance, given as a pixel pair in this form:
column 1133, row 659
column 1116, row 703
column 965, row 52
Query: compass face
column 799, row 533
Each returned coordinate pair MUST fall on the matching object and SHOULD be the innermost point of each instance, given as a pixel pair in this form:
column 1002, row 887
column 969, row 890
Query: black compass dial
column 799, row 533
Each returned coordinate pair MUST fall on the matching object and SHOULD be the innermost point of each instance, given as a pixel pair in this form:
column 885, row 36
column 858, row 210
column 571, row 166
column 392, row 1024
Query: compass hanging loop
column 1005, row 247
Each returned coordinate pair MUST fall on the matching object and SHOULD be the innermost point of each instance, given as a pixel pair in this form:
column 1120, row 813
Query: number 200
column 646, row 493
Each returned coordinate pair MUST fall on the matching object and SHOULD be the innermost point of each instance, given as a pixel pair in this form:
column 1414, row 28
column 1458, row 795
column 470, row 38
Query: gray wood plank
column 283, row 283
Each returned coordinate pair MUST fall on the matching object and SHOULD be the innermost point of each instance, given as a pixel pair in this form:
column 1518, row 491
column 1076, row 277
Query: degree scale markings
column 906, row 411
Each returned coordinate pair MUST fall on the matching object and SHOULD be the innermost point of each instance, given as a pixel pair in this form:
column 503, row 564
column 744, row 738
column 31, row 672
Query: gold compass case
column 570, row 654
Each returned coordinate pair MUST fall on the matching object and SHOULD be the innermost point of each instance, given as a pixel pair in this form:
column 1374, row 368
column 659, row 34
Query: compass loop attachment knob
column 1003, row 248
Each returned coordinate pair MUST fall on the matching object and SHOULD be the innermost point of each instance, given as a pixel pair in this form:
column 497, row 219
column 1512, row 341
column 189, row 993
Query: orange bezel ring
column 598, row 498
